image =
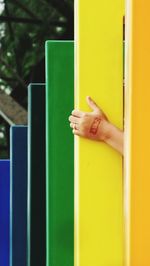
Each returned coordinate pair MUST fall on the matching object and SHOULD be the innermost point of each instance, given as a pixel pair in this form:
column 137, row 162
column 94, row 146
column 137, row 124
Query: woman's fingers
column 74, row 119
column 77, row 113
column 76, row 132
column 74, row 126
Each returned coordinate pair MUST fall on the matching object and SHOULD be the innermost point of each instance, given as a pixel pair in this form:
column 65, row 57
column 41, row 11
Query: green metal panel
column 36, row 176
column 60, row 166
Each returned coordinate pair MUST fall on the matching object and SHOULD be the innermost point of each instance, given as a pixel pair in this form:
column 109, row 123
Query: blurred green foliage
column 25, row 25
column 4, row 141
column 22, row 44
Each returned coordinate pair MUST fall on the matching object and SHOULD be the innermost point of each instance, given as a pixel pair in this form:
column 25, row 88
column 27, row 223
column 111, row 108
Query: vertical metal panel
column 4, row 212
column 60, row 176
column 18, row 196
column 36, row 176
column 98, row 168
column 137, row 133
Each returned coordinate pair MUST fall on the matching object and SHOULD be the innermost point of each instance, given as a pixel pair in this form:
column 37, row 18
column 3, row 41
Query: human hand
column 92, row 125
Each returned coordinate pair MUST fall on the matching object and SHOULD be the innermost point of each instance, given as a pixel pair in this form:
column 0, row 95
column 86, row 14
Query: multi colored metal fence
column 81, row 205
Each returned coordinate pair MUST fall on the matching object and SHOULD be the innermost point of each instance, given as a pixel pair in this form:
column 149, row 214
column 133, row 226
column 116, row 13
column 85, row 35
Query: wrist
column 109, row 131
column 105, row 131
column 114, row 137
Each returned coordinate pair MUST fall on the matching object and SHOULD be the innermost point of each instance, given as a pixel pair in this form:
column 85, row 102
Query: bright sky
column 1, row 24
column 1, row 7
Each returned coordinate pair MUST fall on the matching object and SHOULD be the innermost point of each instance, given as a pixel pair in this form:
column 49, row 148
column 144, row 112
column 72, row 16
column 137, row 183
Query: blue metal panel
column 4, row 211
column 18, row 196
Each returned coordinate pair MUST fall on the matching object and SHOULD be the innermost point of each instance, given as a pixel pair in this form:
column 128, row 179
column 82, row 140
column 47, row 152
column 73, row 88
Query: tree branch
column 64, row 8
column 9, row 79
column 32, row 21
column 23, row 7
column 13, row 72
column 11, row 111
column 20, row 20
column 12, row 35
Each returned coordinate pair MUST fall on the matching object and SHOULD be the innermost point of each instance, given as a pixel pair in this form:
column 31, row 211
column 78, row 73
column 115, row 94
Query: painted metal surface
column 98, row 168
column 59, row 158
column 36, row 176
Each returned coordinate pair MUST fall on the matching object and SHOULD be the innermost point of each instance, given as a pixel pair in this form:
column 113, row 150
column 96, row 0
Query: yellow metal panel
column 98, row 168
column 138, row 133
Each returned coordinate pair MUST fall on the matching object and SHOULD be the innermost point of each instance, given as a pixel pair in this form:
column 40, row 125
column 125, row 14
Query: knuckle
column 74, row 131
column 80, row 122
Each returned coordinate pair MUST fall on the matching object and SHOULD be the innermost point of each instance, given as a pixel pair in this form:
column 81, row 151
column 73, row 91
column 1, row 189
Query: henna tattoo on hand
column 95, row 125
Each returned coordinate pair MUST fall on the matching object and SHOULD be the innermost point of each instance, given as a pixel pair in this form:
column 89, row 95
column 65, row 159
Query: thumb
column 92, row 104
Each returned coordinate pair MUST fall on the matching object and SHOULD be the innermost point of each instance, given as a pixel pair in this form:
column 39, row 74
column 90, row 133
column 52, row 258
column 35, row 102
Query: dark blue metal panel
column 4, row 211
column 18, row 196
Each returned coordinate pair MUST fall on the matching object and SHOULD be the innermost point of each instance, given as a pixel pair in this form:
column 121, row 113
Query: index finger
column 77, row 113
